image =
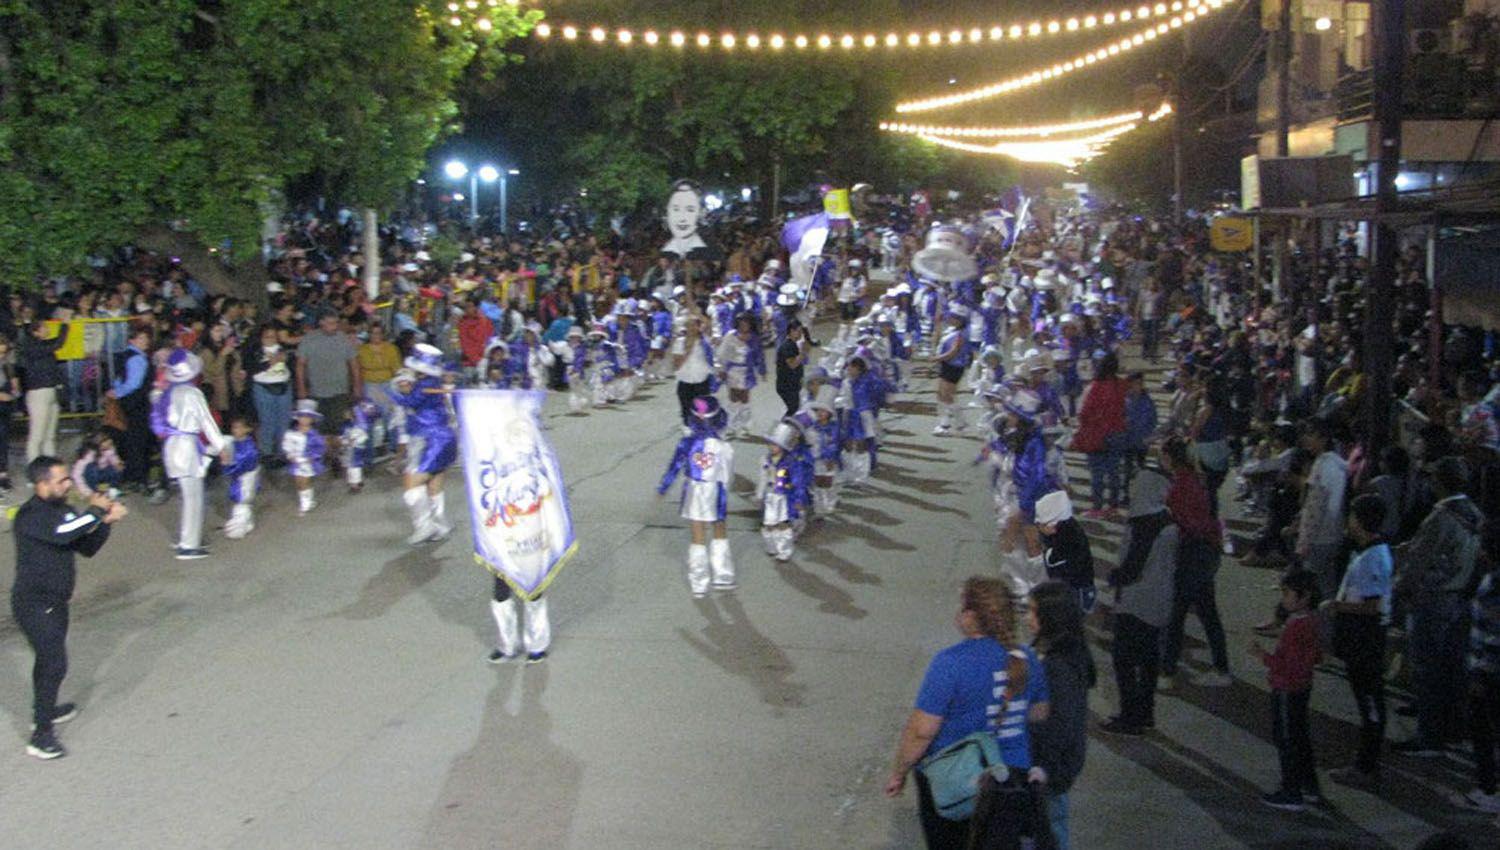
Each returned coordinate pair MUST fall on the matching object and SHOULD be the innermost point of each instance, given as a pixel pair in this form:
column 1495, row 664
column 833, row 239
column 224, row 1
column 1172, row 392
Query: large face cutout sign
column 685, row 214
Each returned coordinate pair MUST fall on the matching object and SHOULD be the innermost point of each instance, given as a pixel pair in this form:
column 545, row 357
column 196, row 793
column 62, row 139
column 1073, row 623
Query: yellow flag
column 836, row 204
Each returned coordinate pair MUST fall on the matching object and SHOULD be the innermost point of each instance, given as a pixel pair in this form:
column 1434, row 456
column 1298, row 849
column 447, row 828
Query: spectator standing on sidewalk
column 41, row 375
column 1289, row 669
column 1482, row 664
column 1197, row 566
column 1361, row 614
column 132, row 389
column 328, row 372
column 1320, row 527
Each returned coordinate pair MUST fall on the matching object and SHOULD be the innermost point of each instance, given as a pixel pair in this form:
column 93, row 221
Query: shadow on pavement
column 831, row 598
column 732, row 642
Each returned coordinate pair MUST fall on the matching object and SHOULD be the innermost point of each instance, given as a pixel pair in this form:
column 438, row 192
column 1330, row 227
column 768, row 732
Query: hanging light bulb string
column 1059, row 151
column 1078, row 63
column 777, row 39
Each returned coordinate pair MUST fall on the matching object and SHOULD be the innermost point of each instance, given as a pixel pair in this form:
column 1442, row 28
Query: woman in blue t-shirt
column 985, row 681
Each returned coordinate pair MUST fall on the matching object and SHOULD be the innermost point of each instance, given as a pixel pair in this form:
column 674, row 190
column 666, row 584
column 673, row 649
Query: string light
column 957, row 37
column 1068, row 153
column 1043, row 74
column 1011, row 132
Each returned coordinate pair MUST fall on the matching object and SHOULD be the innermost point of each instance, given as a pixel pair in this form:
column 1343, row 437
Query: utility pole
column 1284, row 77
column 1178, row 108
column 1389, row 56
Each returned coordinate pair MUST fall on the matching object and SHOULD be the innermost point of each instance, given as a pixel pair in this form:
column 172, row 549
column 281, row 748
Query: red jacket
column 1187, row 500
column 1102, row 415
column 1289, row 667
column 473, row 333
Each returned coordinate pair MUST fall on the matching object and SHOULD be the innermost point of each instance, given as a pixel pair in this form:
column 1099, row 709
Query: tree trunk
column 371, row 252
column 247, row 281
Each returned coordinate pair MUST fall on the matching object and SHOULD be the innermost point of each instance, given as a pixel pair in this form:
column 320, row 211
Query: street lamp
column 458, row 170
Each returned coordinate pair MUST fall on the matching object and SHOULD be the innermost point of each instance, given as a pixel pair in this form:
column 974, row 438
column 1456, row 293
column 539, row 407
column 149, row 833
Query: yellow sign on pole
column 836, row 203
column 1231, row 233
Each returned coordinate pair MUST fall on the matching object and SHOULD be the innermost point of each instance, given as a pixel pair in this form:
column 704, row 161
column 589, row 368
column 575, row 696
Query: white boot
column 856, row 466
column 825, row 499
column 697, row 569
column 355, row 476
column 945, row 419
column 507, row 626
column 241, row 522
column 538, row 627
column 722, row 562
column 306, row 501
column 421, row 509
column 785, row 544
column 577, row 401
column 768, row 536
column 439, row 519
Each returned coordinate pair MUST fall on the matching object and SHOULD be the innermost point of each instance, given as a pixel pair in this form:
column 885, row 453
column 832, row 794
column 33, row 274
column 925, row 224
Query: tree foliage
column 173, row 122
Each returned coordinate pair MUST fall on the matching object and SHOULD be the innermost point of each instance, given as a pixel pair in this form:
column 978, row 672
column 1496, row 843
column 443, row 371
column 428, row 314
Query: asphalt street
column 320, row 684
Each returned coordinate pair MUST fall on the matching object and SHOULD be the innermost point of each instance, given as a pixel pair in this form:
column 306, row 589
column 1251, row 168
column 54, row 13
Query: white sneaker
column 1212, row 679
column 1476, row 800
column 940, row 431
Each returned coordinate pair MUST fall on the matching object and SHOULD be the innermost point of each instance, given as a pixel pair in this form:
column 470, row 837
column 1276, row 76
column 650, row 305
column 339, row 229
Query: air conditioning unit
column 1425, row 41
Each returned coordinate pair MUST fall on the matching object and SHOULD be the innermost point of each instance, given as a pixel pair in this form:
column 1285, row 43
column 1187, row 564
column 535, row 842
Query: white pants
column 511, row 640
column 42, row 410
column 190, row 529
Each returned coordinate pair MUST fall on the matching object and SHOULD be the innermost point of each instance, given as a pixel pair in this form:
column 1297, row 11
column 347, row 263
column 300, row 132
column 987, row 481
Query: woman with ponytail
column 985, row 681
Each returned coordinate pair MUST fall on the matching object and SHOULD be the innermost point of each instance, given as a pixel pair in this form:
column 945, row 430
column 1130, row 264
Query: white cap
column 1053, row 507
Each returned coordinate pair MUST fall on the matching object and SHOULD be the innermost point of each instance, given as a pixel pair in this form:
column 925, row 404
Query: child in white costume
column 706, row 462
column 783, row 489
column 242, row 469
column 303, row 448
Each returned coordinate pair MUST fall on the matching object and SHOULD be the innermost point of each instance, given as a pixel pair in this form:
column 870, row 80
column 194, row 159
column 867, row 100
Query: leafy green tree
column 172, row 123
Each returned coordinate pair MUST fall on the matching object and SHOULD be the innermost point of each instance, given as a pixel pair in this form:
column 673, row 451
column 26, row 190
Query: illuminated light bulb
column 846, row 42
column 1175, row 22
column 483, row 25
column 955, row 37
column 1067, row 66
column 892, row 40
column 1149, row 34
column 869, row 41
column 453, row 7
column 1136, row 40
column 456, row 21
column 704, row 40
column 1143, row 12
column 1089, row 59
column 1047, row 74
column 1109, row 18
column 650, row 37
column 1089, row 22
column 914, row 39
column 1321, row 24
column 625, row 36
column 1125, row 15
column 777, row 42
column 752, row 41
column 1072, row 24
column 570, row 32
column 1160, row 9
column 800, row 42
column 1034, row 29
column 1053, row 27
column 997, row 33
column 1015, row 31
column 1189, row 16
column 1177, row 6
column 934, row 37
column 678, row 39
column 543, row 30
column 472, row 4
column 727, row 40
column 976, row 35
column 824, row 42
column 1114, row 49
column 597, row 34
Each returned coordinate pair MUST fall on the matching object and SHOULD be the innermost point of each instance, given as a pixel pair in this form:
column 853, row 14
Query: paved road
column 321, row 685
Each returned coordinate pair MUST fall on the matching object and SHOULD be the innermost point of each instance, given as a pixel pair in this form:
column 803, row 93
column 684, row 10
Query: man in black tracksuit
column 48, row 533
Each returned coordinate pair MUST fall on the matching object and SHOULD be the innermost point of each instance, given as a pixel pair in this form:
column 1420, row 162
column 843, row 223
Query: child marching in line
column 576, row 356
column 706, row 462
column 661, row 339
column 432, row 446
column 862, row 395
column 355, row 442
column 820, row 434
column 604, row 364
column 241, row 461
column 784, row 477
column 735, row 359
column 530, row 360
column 303, row 448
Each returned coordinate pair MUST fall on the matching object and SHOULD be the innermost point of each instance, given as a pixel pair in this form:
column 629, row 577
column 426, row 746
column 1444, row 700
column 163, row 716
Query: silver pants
column 190, row 530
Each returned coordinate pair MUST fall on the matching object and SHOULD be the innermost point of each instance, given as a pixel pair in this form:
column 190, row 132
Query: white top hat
column 307, row 408
column 425, row 359
column 183, row 366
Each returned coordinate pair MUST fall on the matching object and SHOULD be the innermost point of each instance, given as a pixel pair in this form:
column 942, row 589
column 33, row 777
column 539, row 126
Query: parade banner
column 803, row 238
column 523, row 529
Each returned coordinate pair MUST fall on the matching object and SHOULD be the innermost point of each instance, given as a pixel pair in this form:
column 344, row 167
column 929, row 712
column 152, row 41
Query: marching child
column 1290, row 670
column 706, row 462
column 783, row 489
column 820, row 433
column 734, row 357
column 355, row 441
column 576, row 356
column 241, row 461
column 303, row 448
